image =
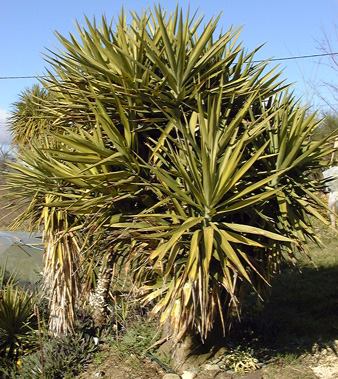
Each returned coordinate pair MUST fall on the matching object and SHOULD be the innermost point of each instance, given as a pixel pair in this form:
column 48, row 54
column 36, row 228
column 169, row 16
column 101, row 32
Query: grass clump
column 137, row 339
column 137, row 342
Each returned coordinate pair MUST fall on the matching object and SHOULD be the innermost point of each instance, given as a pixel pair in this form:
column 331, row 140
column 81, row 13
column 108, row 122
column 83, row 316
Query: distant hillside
column 7, row 216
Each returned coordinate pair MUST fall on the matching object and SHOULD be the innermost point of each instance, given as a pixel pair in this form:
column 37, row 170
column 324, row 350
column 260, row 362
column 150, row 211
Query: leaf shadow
column 300, row 316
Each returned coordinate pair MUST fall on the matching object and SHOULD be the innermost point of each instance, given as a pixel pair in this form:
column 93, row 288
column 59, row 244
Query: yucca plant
column 16, row 317
column 178, row 154
column 227, row 219
column 61, row 259
column 27, row 120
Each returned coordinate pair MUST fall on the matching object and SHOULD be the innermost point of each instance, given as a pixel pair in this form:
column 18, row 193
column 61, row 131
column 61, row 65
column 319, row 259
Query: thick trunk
column 61, row 281
column 188, row 353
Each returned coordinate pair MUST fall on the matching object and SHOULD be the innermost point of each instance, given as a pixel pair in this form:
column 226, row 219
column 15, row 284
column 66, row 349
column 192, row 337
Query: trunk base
column 187, row 354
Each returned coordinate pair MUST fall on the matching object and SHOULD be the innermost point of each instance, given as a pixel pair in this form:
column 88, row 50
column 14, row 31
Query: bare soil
column 317, row 365
column 116, row 367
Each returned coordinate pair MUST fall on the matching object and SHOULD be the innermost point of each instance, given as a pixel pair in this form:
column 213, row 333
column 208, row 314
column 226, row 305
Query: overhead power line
column 258, row 61
column 19, row 77
column 302, row 57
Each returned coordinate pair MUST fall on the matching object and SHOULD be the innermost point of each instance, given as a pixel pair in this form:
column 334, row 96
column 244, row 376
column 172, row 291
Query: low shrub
column 17, row 321
column 62, row 358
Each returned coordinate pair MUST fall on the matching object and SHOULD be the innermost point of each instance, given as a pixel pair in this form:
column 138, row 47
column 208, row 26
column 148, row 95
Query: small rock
column 96, row 341
column 99, row 374
column 211, row 366
column 171, row 376
column 188, row 375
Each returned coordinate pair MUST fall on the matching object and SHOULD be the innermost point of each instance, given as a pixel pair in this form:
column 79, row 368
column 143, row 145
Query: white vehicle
column 332, row 184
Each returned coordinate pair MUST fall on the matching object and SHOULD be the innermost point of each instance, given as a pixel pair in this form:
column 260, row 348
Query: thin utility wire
column 19, row 77
column 299, row 57
column 258, row 61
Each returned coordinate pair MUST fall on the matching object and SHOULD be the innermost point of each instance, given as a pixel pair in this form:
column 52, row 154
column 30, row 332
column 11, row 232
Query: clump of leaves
column 240, row 361
column 16, row 313
column 8, row 368
column 16, row 317
column 63, row 357
column 6, row 278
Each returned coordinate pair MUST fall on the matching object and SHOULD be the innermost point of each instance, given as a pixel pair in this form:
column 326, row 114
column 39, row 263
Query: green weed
column 138, row 338
column 99, row 357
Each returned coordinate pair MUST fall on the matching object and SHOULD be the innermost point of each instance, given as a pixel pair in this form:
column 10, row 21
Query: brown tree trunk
column 187, row 354
column 101, row 294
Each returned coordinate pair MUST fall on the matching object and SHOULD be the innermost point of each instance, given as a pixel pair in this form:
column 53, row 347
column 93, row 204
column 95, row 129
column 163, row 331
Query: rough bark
column 101, row 294
column 188, row 353
column 61, row 282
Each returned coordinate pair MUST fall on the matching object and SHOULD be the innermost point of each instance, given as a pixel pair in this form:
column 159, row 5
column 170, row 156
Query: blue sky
column 287, row 27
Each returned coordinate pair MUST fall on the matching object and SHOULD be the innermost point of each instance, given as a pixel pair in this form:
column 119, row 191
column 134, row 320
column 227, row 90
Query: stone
column 188, row 375
column 211, row 366
column 171, row 376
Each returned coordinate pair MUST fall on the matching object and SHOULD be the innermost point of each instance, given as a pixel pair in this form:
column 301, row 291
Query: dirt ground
column 317, row 365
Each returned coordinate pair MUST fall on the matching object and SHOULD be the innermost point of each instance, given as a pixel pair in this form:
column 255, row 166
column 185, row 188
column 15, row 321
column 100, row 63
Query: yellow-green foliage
column 176, row 152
